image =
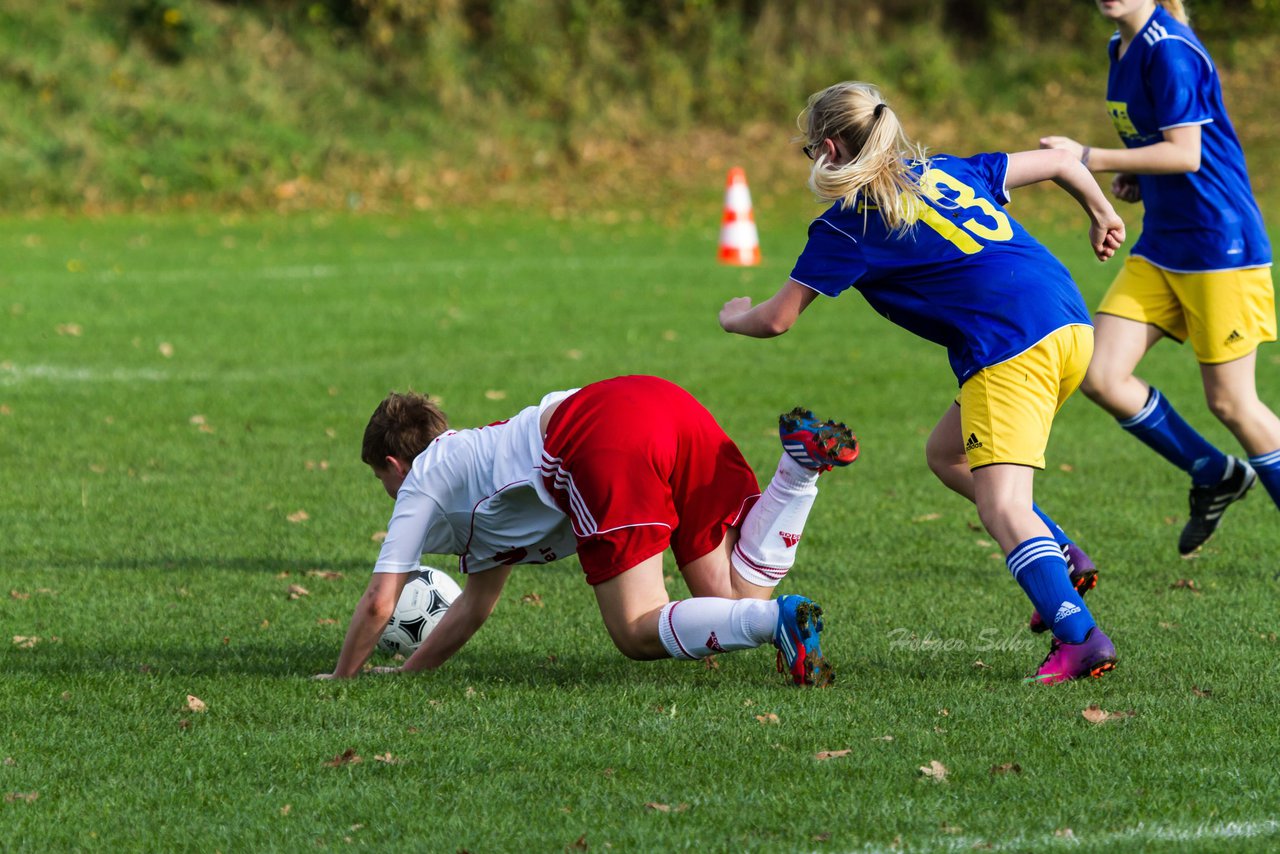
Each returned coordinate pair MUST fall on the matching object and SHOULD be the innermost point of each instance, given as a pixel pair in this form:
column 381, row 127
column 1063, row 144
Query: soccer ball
column 422, row 605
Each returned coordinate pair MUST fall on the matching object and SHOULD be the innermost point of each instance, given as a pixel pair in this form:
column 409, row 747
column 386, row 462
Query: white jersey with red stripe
column 475, row 493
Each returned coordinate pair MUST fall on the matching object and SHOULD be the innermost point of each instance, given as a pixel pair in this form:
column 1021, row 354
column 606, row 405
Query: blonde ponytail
column 1176, row 9
column 880, row 171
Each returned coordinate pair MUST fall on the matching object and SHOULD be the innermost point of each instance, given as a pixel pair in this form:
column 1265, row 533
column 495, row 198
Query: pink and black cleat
column 1093, row 656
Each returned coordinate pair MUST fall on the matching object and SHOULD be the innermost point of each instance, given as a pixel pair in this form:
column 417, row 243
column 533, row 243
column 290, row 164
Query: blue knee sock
column 1268, row 468
column 1037, row 565
column 1161, row 428
column 1054, row 528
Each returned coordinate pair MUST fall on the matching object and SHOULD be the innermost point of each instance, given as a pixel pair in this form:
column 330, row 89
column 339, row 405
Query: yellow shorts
column 1226, row 314
column 1006, row 410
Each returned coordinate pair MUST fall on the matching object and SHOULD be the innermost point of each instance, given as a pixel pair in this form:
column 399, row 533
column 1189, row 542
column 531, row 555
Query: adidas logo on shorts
column 1234, row 338
column 972, row 442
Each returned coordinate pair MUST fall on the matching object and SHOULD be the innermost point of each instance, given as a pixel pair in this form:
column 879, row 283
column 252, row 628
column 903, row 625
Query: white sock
column 696, row 628
column 766, row 548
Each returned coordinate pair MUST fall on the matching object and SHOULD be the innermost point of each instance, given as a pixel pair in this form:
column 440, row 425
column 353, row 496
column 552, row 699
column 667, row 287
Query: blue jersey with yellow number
column 966, row 276
column 1192, row 221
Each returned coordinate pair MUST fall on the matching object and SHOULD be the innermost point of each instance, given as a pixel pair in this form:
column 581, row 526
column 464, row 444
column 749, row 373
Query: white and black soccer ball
column 422, row 604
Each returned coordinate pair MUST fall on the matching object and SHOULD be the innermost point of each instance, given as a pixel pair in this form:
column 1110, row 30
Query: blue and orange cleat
column 1093, row 656
column 1084, row 577
column 814, row 444
column 796, row 637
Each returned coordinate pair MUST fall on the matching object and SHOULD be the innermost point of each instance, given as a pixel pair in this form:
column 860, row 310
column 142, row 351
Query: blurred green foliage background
column 119, row 104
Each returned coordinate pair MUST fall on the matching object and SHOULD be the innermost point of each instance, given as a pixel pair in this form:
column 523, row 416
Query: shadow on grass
column 513, row 667
column 174, row 562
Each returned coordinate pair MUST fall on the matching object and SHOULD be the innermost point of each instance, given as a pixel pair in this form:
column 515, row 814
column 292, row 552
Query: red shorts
column 638, row 464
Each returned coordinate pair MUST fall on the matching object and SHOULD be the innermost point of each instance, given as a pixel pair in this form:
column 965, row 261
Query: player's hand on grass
column 1125, row 187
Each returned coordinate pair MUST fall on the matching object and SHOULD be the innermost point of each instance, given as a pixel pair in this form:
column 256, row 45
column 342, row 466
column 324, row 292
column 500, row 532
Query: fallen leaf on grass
column 928, row 517
column 166, row 349
column 1064, row 833
column 346, row 757
column 298, row 516
column 979, row 664
column 10, row 761
column 882, row 738
column 386, row 758
column 195, row 704
column 822, row 755
column 24, row 797
column 297, row 591
column 710, row 663
column 72, row 329
column 770, row 718
column 532, row 599
column 821, row 837
column 184, row 723
column 25, row 641
column 1097, row 715
column 1185, row 584
column 326, row 574
column 657, row 807
column 579, row 844
column 935, row 770
column 378, row 536
column 1006, row 768
column 495, row 394
column 326, row 621
column 15, row 594
column 1201, row 692
column 286, row 809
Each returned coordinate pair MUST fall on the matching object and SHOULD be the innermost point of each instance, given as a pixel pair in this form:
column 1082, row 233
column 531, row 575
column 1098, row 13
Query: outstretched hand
column 1063, row 143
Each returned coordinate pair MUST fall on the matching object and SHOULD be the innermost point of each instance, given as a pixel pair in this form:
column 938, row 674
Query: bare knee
column 637, row 642
column 1098, row 385
column 942, row 457
column 1233, row 410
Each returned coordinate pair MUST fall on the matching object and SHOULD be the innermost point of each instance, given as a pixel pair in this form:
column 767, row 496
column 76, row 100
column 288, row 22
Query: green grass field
column 181, row 405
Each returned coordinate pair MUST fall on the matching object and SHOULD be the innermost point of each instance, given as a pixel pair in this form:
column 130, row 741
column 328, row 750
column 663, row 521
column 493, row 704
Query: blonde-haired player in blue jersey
column 1200, row 270
column 927, row 242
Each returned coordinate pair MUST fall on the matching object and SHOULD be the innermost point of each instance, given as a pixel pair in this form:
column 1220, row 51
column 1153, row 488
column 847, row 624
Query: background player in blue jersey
column 1200, row 270
column 927, row 242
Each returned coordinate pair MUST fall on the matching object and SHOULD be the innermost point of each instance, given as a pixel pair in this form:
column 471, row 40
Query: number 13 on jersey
column 963, row 234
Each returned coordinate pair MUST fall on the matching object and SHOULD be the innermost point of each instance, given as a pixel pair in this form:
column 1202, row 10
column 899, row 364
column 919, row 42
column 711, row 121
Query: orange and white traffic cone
column 739, row 240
